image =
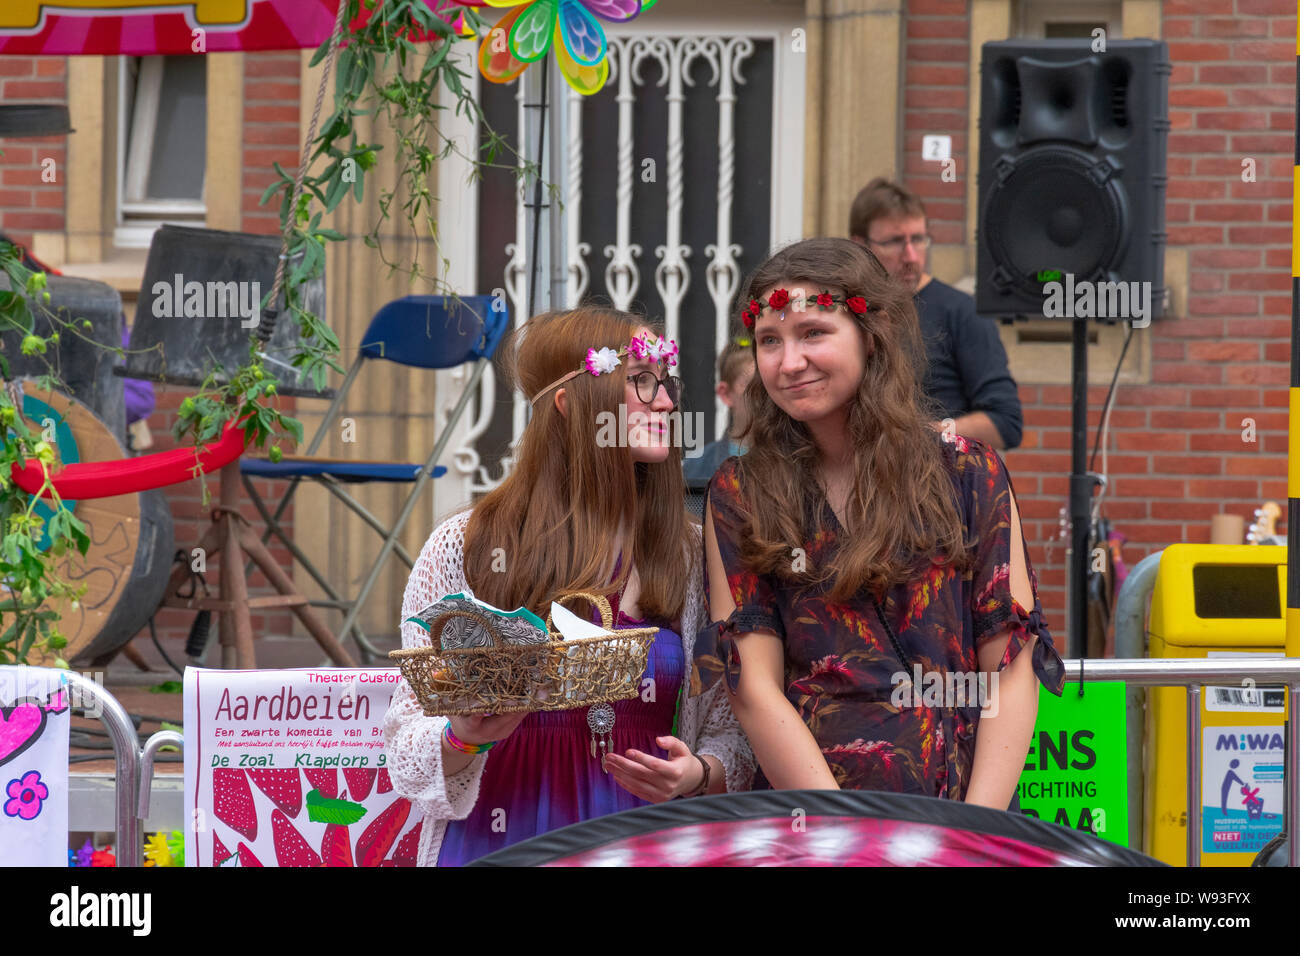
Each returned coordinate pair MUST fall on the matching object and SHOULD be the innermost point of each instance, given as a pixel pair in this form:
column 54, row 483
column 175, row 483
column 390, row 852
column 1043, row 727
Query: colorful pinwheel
column 533, row 27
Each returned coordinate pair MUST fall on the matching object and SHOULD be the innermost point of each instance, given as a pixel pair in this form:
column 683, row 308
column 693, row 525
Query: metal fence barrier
column 135, row 765
column 162, row 738
column 96, row 702
column 1193, row 674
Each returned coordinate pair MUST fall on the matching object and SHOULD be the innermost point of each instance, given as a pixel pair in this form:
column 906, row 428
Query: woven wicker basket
column 509, row 678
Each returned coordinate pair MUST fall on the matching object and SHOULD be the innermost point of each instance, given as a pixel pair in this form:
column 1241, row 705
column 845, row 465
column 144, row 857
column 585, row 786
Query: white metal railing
column 135, row 765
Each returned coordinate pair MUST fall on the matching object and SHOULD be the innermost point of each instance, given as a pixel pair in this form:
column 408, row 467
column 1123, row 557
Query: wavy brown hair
column 556, row 514
column 902, row 507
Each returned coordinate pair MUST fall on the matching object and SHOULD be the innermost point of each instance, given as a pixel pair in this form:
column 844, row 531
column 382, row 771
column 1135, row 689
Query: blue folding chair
column 422, row 331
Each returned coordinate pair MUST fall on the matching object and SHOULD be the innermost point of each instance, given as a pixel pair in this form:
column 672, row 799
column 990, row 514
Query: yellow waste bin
column 1217, row 601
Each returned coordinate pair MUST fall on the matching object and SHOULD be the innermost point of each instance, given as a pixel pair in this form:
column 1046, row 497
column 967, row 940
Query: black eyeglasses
column 648, row 381
column 921, row 241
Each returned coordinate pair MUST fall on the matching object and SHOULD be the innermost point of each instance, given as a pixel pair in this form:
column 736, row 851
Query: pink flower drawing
column 25, row 796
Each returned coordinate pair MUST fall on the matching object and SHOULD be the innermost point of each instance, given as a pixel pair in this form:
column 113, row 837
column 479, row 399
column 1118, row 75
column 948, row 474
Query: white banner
column 34, row 724
column 287, row 768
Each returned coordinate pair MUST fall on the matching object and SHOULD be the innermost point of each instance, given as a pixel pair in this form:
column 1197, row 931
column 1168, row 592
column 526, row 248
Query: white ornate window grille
column 682, row 174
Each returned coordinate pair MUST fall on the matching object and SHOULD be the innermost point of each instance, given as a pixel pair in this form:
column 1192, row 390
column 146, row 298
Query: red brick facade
column 28, row 202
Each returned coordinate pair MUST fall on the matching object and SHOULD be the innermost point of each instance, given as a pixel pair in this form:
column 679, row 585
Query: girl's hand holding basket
column 487, row 728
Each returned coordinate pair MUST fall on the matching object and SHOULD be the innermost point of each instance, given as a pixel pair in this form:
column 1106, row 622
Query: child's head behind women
column 836, row 379
column 551, row 527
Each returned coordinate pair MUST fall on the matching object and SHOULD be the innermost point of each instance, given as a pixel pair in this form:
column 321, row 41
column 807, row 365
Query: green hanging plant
column 388, row 68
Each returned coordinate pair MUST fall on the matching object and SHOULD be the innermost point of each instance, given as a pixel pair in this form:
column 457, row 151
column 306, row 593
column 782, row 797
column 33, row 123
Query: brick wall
column 1176, row 451
column 27, row 203
column 936, row 100
column 270, row 132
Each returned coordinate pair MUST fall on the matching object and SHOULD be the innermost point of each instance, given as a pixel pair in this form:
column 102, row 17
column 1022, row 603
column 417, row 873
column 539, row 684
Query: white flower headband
column 603, row 361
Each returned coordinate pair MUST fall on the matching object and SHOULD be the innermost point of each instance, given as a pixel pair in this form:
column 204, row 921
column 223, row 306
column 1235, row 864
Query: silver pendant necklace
column 600, row 717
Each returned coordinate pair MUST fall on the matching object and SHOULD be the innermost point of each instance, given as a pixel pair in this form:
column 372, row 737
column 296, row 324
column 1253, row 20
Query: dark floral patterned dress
column 843, row 675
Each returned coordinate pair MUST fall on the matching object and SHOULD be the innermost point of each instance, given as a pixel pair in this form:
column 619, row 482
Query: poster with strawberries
column 287, row 768
column 35, row 719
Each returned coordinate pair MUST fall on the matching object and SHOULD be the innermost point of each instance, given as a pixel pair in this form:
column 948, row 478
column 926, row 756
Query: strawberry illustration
column 359, row 780
column 382, row 783
column 284, row 787
column 336, row 848
column 326, row 781
column 219, row 851
column 408, row 847
column 290, row 848
column 379, row 836
column 246, row 857
column 232, row 802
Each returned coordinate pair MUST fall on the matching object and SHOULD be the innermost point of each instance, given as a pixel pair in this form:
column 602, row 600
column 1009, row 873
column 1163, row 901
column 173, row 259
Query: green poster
column 1076, row 771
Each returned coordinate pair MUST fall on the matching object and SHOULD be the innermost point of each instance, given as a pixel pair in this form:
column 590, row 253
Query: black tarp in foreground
column 815, row 828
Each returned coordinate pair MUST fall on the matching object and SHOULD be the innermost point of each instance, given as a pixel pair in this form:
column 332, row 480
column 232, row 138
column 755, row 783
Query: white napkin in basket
column 572, row 627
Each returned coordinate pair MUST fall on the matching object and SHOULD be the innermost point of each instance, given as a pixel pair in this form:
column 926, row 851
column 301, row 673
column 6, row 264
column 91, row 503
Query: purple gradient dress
column 543, row 776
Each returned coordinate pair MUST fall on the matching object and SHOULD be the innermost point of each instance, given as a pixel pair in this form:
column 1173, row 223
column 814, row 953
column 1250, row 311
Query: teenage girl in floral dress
column 855, row 547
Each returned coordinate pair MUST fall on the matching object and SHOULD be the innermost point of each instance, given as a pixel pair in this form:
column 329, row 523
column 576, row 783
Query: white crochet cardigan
column 413, row 742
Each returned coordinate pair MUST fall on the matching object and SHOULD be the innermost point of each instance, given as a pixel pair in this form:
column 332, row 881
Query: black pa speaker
column 1072, row 174
column 200, row 301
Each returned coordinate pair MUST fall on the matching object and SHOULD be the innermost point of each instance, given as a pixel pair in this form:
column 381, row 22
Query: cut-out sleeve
column 987, row 489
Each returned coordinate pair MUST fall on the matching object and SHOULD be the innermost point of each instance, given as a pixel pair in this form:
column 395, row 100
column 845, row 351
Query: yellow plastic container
column 1211, row 601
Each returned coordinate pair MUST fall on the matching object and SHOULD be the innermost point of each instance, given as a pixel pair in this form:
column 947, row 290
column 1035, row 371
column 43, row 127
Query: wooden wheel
column 126, row 566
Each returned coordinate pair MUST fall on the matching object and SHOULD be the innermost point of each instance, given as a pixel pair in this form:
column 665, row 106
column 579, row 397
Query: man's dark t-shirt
column 967, row 365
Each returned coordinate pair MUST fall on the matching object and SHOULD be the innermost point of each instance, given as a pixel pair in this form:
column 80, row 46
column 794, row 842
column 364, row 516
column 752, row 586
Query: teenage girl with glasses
column 576, row 513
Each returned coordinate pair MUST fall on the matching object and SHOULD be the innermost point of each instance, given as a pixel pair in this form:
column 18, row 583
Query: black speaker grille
column 1119, row 106
column 1051, row 213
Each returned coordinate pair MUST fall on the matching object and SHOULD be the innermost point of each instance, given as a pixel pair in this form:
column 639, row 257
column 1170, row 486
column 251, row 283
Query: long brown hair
column 555, row 517
column 902, row 507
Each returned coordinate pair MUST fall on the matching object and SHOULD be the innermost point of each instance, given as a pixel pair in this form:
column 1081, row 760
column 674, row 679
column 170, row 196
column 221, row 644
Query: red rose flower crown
column 780, row 300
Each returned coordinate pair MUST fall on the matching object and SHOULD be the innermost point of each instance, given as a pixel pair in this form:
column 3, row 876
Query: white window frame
column 138, row 217
column 458, row 205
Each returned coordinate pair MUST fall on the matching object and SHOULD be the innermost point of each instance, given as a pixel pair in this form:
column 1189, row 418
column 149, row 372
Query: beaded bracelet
column 456, row 744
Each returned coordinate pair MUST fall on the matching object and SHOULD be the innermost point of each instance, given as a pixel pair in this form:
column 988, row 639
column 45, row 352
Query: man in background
column 966, row 375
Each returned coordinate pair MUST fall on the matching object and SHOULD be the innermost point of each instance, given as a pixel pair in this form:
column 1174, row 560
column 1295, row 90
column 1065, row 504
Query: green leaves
column 394, row 71
column 65, row 525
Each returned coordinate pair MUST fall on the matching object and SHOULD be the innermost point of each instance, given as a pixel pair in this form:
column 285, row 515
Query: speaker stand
column 1082, row 483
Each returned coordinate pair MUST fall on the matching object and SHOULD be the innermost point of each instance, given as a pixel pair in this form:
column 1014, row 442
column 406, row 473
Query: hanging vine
column 392, row 65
